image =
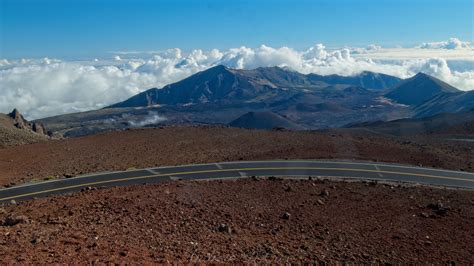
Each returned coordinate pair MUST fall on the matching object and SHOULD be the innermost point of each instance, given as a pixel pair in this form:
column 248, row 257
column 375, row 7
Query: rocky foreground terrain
column 141, row 148
column 16, row 130
column 249, row 220
column 246, row 220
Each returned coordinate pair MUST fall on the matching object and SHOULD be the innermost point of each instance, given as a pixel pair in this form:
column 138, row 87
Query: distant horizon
column 465, row 50
column 88, row 28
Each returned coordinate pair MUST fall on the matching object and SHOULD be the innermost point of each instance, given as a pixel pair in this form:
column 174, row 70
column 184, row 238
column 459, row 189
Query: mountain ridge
column 223, row 84
column 219, row 94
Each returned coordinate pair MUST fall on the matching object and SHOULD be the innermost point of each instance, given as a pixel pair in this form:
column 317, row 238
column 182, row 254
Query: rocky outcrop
column 16, row 130
column 39, row 128
column 21, row 123
column 18, row 120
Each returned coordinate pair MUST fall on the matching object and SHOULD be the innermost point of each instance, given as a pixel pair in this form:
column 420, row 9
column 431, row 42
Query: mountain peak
column 366, row 72
column 421, row 75
column 432, row 81
column 214, row 71
column 218, row 68
column 418, row 89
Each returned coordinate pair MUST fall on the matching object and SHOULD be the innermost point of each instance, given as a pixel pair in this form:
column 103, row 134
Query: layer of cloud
column 46, row 87
column 452, row 43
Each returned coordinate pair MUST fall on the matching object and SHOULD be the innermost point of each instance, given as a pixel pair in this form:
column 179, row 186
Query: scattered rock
column 324, row 193
column 424, row 215
column 224, row 228
column 35, row 240
column 286, row 216
column 13, row 202
column 438, row 208
column 274, row 178
column 304, row 247
column 123, row 253
column 274, row 231
column 288, row 188
column 320, row 237
column 11, row 221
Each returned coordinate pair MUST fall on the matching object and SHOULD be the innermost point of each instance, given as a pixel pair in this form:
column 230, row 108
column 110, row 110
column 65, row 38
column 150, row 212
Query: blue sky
column 85, row 28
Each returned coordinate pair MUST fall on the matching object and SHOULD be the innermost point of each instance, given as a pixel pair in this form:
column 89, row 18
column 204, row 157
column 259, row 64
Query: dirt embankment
column 142, row 148
column 247, row 220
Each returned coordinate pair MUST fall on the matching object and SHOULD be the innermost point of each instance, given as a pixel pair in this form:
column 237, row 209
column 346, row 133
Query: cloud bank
column 46, row 87
column 452, row 43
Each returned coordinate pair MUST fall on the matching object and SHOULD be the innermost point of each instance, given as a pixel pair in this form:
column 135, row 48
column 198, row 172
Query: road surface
column 280, row 168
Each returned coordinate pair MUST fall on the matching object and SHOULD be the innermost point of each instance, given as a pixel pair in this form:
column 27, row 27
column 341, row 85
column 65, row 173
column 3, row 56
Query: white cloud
column 43, row 90
column 45, row 87
column 152, row 118
column 452, row 43
column 4, row 62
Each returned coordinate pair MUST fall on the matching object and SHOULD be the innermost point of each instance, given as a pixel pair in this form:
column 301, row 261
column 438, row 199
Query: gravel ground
column 246, row 220
column 15, row 137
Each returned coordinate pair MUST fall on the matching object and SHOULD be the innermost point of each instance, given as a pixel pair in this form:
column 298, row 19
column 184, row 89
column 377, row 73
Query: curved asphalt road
column 290, row 168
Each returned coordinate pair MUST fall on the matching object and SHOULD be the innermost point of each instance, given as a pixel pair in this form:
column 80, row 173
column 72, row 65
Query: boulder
column 11, row 221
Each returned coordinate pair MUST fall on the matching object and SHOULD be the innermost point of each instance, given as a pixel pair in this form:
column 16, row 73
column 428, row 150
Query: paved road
column 340, row 169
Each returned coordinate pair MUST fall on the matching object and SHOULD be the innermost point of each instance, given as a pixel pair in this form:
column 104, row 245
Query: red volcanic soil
column 243, row 221
column 140, row 148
